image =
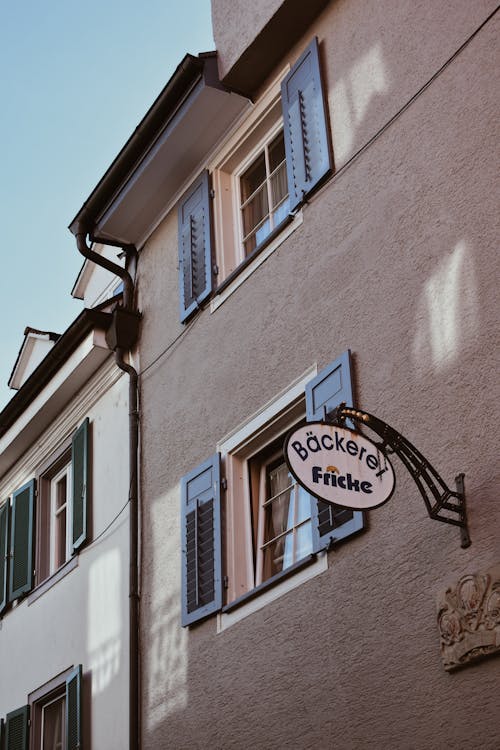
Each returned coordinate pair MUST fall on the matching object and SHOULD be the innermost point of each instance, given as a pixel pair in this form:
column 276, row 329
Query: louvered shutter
column 80, row 473
column 4, row 559
column 327, row 390
column 16, row 729
column 195, row 252
column 307, row 142
column 21, row 540
column 73, row 709
column 201, row 541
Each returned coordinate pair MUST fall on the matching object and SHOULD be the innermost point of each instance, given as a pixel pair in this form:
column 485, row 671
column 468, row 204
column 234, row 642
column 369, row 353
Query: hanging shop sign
column 339, row 465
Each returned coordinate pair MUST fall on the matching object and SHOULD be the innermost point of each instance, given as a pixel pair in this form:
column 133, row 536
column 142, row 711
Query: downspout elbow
column 101, row 260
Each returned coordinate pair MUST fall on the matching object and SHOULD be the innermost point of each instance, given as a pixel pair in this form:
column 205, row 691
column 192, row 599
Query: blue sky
column 76, row 78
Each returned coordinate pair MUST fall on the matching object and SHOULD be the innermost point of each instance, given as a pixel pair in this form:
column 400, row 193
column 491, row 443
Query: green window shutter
column 201, row 542
column 21, row 540
column 4, row 559
column 327, row 390
column 81, row 475
column 74, row 709
column 195, row 251
column 305, row 125
column 17, row 729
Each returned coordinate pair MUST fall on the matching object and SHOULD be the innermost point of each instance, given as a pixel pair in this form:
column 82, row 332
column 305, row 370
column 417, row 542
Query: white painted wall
column 83, row 618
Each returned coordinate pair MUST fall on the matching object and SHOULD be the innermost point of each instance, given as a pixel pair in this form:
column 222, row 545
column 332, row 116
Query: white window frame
column 253, row 154
column 65, row 471
column 237, row 448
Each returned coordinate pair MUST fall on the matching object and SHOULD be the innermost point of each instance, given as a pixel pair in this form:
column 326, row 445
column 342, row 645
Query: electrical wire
column 410, row 101
column 110, row 524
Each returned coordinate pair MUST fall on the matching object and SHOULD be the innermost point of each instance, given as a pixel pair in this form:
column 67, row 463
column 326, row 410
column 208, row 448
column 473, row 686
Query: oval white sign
column 339, row 465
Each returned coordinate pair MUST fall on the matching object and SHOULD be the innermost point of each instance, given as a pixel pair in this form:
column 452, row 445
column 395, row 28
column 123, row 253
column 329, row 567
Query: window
column 282, row 516
column 58, row 501
column 263, row 195
column 54, row 536
column 52, row 718
column 261, row 176
column 272, row 527
column 52, row 734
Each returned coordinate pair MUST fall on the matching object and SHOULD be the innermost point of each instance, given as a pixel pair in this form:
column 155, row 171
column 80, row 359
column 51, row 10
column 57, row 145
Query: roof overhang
column 74, row 357
column 36, row 344
column 188, row 119
column 248, row 72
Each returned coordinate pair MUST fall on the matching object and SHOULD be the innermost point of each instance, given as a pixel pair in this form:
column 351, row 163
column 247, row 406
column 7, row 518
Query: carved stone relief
column 469, row 618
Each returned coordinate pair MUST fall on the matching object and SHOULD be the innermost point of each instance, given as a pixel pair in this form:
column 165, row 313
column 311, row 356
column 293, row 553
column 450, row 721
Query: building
column 64, row 535
column 312, row 209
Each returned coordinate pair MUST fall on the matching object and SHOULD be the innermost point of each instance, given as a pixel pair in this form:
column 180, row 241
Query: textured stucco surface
column 235, row 24
column 396, row 259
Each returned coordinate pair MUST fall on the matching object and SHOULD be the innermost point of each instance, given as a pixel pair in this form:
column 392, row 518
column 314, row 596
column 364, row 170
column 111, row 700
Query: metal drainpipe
column 128, row 304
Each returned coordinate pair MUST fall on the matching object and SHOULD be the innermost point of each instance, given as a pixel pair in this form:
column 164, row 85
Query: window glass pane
column 53, row 725
column 277, row 556
column 61, row 492
column 276, row 151
column 253, row 177
column 303, row 504
column 303, row 544
column 60, row 539
column 277, row 516
column 279, row 479
column 255, row 210
column 281, row 212
column 279, row 185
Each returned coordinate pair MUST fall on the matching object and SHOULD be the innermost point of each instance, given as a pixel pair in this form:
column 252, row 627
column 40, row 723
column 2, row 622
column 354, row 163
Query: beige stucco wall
column 396, row 259
column 235, row 24
column 83, row 618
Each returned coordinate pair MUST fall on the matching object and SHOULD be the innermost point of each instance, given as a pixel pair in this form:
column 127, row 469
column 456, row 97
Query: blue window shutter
column 4, row 557
column 73, row 709
column 21, row 540
column 328, row 389
column 201, row 541
column 81, row 474
column 195, row 251
column 17, row 729
column 307, row 142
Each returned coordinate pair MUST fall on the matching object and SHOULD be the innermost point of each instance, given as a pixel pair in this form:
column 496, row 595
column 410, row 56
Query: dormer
column 95, row 284
column 35, row 347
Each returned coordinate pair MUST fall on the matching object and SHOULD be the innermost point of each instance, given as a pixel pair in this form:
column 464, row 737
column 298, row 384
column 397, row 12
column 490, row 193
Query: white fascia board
column 190, row 136
column 62, row 387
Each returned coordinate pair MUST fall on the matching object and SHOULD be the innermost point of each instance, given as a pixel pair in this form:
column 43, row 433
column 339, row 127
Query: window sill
column 250, row 264
column 53, row 579
column 272, row 589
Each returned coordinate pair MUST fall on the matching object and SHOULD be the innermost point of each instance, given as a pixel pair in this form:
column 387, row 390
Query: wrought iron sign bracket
column 442, row 503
